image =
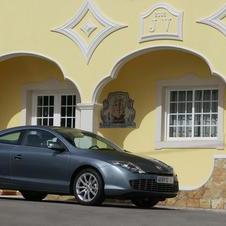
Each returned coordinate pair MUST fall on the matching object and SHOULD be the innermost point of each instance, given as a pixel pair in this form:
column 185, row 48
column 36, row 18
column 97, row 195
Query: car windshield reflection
column 86, row 140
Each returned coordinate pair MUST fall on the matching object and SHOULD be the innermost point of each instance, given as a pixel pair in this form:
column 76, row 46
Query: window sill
column 208, row 144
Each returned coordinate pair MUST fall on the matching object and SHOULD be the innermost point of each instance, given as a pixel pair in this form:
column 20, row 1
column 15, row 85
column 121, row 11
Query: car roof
column 50, row 128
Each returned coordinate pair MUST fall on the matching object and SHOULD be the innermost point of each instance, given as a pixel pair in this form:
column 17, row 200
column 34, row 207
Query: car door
column 37, row 167
column 8, row 142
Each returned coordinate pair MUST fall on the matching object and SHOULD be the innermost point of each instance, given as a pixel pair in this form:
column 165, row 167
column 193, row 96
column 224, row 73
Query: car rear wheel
column 33, row 195
column 145, row 203
column 88, row 187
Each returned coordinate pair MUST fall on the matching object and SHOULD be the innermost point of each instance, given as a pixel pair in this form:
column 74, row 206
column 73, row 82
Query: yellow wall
column 139, row 78
column 26, row 26
column 15, row 74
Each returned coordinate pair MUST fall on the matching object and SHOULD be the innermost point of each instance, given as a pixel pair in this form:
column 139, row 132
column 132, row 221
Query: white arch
column 121, row 62
column 11, row 55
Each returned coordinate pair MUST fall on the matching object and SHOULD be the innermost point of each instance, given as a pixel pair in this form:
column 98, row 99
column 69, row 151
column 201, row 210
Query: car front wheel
column 33, row 195
column 89, row 187
column 145, row 203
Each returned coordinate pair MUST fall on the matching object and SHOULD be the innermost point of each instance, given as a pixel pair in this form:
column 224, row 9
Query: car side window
column 38, row 138
column 10, row 138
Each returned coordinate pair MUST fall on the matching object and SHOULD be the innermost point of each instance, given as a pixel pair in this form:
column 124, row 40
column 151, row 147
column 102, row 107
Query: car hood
column 149, row 165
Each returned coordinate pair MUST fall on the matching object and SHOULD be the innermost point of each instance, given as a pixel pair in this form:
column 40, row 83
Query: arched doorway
column 34, row 90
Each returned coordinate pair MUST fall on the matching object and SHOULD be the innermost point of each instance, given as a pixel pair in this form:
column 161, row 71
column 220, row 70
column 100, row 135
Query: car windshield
column 86, row 140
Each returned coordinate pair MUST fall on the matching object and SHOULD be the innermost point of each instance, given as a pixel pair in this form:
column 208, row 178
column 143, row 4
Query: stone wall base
column 212, row 195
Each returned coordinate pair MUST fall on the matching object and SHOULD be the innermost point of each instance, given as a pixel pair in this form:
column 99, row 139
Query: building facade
column 149, row 75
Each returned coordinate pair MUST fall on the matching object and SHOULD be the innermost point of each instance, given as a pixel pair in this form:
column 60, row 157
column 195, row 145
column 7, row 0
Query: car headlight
column 129, row 166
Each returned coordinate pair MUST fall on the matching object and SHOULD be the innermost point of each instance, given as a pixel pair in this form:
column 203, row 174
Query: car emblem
column 158, row 167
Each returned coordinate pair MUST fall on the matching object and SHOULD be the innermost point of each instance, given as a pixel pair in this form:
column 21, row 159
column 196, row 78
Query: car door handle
column 18, row 157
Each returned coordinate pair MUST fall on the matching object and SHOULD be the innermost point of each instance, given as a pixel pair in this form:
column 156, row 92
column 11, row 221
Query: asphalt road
column 19, row 212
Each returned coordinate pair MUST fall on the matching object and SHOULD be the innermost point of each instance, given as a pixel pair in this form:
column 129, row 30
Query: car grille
column 151, row 185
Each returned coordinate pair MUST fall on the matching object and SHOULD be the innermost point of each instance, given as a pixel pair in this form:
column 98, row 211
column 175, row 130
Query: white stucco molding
column 88, row 49
column 215, row 20
column 191, row 188
column 126, row 58
column 178, row 35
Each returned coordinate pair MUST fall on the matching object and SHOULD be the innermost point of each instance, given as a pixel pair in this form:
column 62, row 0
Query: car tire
column 33, row 195
column 145, row 203
column 88, row 187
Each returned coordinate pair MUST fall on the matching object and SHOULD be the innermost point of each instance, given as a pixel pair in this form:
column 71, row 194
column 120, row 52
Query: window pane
column 214, row 119
column 69, row 100
column 181, row 107
column 173, row 96
column 206, row 119
column 189, row 131
column 189, row 107
column 173, row 108
column 213, row 131
column 189, row 120
column 39, row 121
column 69, row 124
column 74, row 100
column 45, row 122
column 182, row 95
column 62, row 123
column 214, row 107
column 45, row 100
column 39, row 112
column 45, row 112
column 197, row 131
column 173, row 120
column 198, row 95
column 206, row 107
column 181, row 120
column 172, row 132
column 39, row 101
column 189, row 95
column 214, row 94
column 51, row 122
column 206, row 131
column 51, row 111
column 63, row 100
column 63, row 111
column 181, row 131
column 69, row 111
column 52, row 100
column 198, row 119
column 206, row 95
column 198, row 107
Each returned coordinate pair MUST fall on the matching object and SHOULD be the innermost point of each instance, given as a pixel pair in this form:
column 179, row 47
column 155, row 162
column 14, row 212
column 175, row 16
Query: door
column 37, row 167
column 8, row 143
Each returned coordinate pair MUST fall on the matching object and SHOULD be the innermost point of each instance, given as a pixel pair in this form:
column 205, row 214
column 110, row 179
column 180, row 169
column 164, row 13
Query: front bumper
column 121, row 183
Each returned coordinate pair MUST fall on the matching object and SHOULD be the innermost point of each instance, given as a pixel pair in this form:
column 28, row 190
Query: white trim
column 88, row 49
column 88, row 112
column 126, row 58
column 215, row 20
column 172, row 11
column 191, row 188
column 185, row 82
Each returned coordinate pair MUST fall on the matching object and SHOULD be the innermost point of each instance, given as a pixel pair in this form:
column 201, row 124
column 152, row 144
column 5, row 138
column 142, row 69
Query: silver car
column 51, row 160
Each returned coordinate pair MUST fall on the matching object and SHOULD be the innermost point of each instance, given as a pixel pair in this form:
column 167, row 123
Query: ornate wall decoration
column 88, row 28
column 216, row 20
column 161, row 21
column 118, row 111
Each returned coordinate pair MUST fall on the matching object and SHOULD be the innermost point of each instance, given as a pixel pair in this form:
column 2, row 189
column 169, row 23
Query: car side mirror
column 54, row 145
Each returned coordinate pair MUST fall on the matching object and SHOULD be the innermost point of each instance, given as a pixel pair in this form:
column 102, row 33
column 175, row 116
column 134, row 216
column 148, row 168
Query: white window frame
column 187, row 82
column 57, row 103
column 48, row 87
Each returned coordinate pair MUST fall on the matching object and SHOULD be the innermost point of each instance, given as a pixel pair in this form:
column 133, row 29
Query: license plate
column 165, row 180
